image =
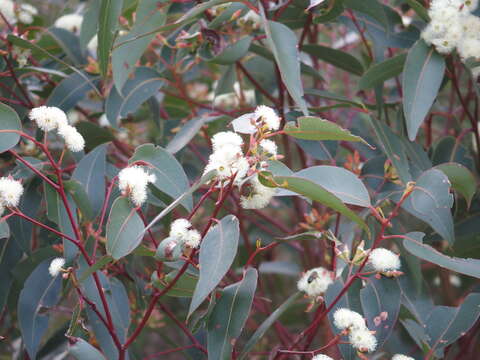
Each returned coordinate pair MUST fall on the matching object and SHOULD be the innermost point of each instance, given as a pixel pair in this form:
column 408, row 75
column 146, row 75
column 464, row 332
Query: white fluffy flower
column 26, row 12
column 345, row 318
column 226, row 138
column 10, row 191
column 133, row 182
column 268, row 116
column 315, row 281
column 193, row 239
column 70, row 22
column 73, row 139
column 227, row 160
column 259, row 196
column 56, row 266
column 384, row 260
column 269, row 146
column 228, row 100
column 7, row 7
column 321, row 357
column 402, row 357
column 48, row 118
column 181, row 231
column 251, row 18
column 363, row 340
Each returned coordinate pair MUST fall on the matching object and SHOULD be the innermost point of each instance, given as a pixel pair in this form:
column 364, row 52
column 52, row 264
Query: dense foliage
column 283, row 179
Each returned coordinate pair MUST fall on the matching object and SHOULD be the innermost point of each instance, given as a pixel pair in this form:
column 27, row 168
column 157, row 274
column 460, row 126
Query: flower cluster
column 315, row 281
column 181, row 230
column 56, row 266
column 133, row 182
column 70, row 22
column 321, row 357
column 384, row 261
column 453, row 26
column 10, row 192
column 52, row 118
column 353, row 323
column 402, row 357
column 14, row 13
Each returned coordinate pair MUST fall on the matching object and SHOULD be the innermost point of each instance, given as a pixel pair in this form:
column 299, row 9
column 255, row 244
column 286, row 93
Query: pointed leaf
column 82, row 350
column 337, row 58
column 9, row 126
column 110, row 11
column 380, row 72
column 461, row 178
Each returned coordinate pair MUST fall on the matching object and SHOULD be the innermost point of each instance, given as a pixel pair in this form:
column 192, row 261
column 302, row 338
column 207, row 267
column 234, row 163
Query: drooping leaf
column 170, row 176
column 82, row 350
column 80, row 196
column 144, row 84
column 419, row 9
column 89, row 26
column 186, row 134
column 372, row 8
column 217, row 252
column 422, row 77
column 234, row 52
column 381, row 305
column 10, row 255
column 382, row 71
column 40, row 292
column 413, row 242
column 315, row 128
column 199, row 9
column 93, row 134
column 69, row 43
column 461, row 178
column 149, row 16
column 110, row 11
column 229, row 315
column 337, row 58
column 9, row 126
column 334, row 97
column 184, row 287
column 90, row 172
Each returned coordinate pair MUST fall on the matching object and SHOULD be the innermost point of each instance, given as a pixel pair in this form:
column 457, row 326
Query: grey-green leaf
column 382, row 71
column 229, row 315
column 82, row 350
column 337, row 58
column 461, row 178
column 422, row 77
column 110, row 11
column 217, row 252
column 10, row 125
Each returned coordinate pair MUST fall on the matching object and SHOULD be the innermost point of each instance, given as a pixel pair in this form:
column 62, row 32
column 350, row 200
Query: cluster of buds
column 182, row 239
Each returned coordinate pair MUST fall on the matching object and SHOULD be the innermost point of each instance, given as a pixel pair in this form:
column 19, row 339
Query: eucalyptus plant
column 284, row 179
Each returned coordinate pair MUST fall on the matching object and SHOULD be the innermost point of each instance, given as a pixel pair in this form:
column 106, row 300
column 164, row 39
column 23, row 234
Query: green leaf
column 9, row 125
column 337, row 58
column 90, row 23
column 149, row 15
column 170, row 176
column 333, row 12
column 233, row 52
column 335, row 97
column 99, row 264
column 283, row 43
column 217, row 251
column 144, row 84
column 93, row 134
column 431, row 202
column 380, row 72
column 79, row 195
column 40, row 292
column 461, row 178
column 413, row 242
column 184, row 286
column 340, row 182
column 372, row 8
column 422, row 77
column 229, row 315
column 90, row 172
column 123, row 227
column 315, row 128
column 10, row 255
column 110, row 11
column 71, row 90
column 267, row 323
column 69, row 43
column 4, row 230
column 419, row 9
column 199, row 9
column 316, row 192
column 186, row 134
column 82, row 350
column 381, row 305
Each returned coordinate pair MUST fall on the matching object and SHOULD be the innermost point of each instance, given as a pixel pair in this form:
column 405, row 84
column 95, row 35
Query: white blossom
column 363, row 340
column 193, row 239
column 321, row 357
column 56, row 266
column 226, row 138
column 259, row 196
column 48, row 118
column 227, row 158
column 26, row 12
column 402, row 357
column 344, row 318
column 269, row 146
column 70, row 22
column 7, row 7
column 315, row 281
column 133, row 181
column 251, row 18
column 268, row 116
column 384, row 260
column 73, row 139
column 10, row 191
column 181, row 230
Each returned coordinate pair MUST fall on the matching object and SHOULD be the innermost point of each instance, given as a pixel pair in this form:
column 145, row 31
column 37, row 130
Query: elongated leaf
column 144, row 84
column 315, row 128
column 40, row 292
column 186, row 133
column 335, row 57
column 170, row 176
column 69, row 43
column 419, row 9
column 79, row 195
column 372, row 8
column 422, row 78
column 99, row 264
column 110, row 11
column 283, row 44
column 149, row 15
column 381, row 305
column 82, row 350
column 342, row 183
column 184, row 287
column 229, row 315
column 90, row 23
column 90, row 172
column 267, row 323
column 9, row 122
column 233, row 52
column 461, row 178
column 199, row 9
column 123, row 227
column 217, row 251
column 10, row 255
column 413, row 242
column 380, row 72
column 335, row 97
